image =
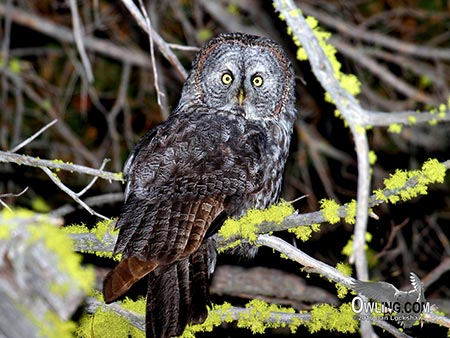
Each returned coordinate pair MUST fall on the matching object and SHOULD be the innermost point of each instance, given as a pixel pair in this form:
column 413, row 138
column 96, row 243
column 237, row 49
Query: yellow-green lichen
column 395, row 128
column 412, row 120
column 330, row 318
column 432, row 171
column 259, row 312
column 101, row 230
column 54, row 327
column 255, row 319
column 330, row 210
column 247, row 226
column 304, row 232
column 372, row 157
column 69, row 261
column 233, row 9
column 443, row 110
column 41, row 228
column 350, row 212
column 216, row 316
column 348, row 81
column 347, row 250
column 59, row 162
column 15, row 66
column 345, row 269
column 360, row 129
column 107, row 323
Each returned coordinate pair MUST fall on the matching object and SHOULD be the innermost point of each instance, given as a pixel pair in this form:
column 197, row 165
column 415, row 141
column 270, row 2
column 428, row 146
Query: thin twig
column 91, row 183
column 32, row 137
column 162, row 45
column 159, row 94
column 11, row 195
column 78, row 33
column 59, row 32
column 111, row 116
column 91, row 201
column 55, row 179
column 381, row 71
column 183, row 48
column 361, row 33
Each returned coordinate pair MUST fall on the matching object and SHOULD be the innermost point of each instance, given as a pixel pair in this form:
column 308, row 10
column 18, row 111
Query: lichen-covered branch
column 42, row 281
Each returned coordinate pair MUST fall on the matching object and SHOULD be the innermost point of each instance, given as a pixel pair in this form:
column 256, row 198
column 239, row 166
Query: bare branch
column 78, row 33
column 380, row 39
column 44, row 26
column 7, row 157
column 148, row 24
column 11, row 195
column 69, row 192
column 32, row 137
column 82, row 192
column 162, row 45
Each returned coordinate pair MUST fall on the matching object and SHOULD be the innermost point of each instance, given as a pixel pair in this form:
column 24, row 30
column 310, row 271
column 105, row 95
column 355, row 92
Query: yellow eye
column 227, row 78
column 257, row 81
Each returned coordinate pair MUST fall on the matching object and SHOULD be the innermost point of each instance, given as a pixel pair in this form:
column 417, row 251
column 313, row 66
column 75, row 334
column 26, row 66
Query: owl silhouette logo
column 405, row 307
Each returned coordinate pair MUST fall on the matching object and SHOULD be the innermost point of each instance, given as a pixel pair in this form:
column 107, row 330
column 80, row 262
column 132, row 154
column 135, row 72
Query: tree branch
column 8, row 157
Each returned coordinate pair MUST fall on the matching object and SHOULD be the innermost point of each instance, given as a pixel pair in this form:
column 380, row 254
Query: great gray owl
column 221, row 151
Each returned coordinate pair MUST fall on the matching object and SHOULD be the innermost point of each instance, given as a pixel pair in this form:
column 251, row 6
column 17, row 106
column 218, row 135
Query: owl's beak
column 241, row 96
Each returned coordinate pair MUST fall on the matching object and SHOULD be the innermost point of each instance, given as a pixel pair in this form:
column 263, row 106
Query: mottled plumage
column 221, row 152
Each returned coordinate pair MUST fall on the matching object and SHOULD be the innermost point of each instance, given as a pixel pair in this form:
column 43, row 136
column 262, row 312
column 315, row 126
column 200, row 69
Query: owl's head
column 243, row 74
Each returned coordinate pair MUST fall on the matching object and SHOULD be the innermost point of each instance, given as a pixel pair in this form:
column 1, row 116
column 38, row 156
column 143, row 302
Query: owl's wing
column 180, row 181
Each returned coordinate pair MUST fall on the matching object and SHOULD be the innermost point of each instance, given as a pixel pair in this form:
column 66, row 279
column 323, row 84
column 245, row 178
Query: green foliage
column 107, row 323
column 328, row 317
column 246, row 227
column 432, row 172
